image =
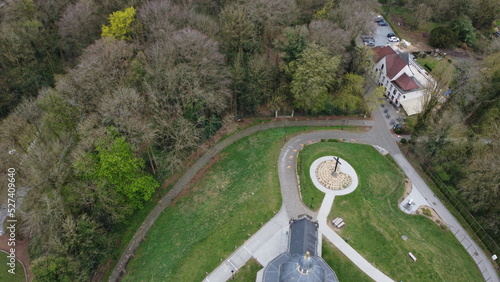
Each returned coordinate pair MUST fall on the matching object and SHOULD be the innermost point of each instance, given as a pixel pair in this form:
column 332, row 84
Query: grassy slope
column 374, row 223
column 6, row 276
column 232, row 200
column 343, row 267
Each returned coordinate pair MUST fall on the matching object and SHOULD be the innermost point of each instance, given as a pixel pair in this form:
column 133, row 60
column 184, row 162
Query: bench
column 412, row 256
column 336, row 221
column 341, row 224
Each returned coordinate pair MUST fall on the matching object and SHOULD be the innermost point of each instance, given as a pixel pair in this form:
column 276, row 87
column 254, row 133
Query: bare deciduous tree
column 78, row 26
column 125, row 109
column 354, row 16
column 103, row 67
column 329, row 35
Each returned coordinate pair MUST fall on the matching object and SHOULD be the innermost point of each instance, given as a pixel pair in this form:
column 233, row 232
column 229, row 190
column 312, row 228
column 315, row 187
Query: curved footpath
column 272, row 237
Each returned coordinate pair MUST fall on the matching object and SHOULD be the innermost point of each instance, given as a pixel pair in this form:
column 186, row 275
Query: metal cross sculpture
column 336, row 164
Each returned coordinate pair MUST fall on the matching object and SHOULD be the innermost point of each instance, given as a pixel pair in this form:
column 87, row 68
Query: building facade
column 404, row 81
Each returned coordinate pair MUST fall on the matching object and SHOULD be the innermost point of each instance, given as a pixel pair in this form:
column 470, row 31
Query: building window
column 399, row 96
column 381, row 68
column 394, row 92
column 387, row 83
column 390, row 88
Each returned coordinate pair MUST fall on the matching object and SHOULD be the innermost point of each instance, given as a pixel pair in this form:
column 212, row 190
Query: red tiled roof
column 394, row 63
column 405, row 82
column 381, row 52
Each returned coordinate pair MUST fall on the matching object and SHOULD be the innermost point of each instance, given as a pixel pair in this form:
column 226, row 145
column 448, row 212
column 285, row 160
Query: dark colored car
column 383, row 23
column 389, row 35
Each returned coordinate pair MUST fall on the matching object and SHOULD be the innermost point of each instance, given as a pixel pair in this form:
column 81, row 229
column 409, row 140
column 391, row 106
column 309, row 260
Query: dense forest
column 102, row 99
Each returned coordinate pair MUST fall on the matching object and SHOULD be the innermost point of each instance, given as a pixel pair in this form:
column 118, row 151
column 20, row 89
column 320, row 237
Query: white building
column 403, row 79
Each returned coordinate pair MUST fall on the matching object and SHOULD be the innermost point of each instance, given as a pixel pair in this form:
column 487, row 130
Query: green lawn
column 343, row 267
column 248, row 273
column 5, row 275
column 236, row 196
column 375, row 225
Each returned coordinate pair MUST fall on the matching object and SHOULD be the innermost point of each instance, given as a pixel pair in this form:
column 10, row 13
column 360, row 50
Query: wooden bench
column 341, row 224
column 336, row 221
column 412, row 256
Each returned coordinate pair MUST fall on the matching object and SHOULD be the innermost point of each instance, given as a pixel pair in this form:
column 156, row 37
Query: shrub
column 403, row 141
column 443, row 36
column 427, row 212
column 465, row 31
column 330, row 140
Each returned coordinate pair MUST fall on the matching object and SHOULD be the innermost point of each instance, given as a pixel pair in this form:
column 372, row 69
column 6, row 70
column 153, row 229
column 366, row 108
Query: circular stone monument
column 333, row 175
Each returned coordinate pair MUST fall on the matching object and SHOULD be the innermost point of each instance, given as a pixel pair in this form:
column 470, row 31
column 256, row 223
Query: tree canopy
column 122, row 24
column 314, row 75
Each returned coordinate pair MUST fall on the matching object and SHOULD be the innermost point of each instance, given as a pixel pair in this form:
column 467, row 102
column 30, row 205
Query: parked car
column 370, row 43
column 368, row 40
column 392, row 37
column 379, row 18
column 383, row 23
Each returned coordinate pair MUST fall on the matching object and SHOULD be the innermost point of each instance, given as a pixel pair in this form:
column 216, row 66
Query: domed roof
column 300, row 263
column 301, row 268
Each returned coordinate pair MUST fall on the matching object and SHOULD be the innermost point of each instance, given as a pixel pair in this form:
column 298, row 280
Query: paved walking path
column 292, row 207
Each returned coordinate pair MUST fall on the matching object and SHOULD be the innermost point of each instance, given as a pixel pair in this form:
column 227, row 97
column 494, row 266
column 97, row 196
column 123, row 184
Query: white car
column 392, row 37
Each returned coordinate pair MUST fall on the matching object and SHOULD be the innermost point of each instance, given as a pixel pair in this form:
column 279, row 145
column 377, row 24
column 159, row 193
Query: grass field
column 248, row 273
column 6, row 276
column 236, row 196
column 343, row 267
column 375, row 225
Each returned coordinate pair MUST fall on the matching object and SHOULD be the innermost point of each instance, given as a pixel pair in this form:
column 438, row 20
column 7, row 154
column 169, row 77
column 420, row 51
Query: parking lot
column 380, row 34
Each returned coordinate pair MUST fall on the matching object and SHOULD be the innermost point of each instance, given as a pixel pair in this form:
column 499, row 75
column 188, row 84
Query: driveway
column 380, row 34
